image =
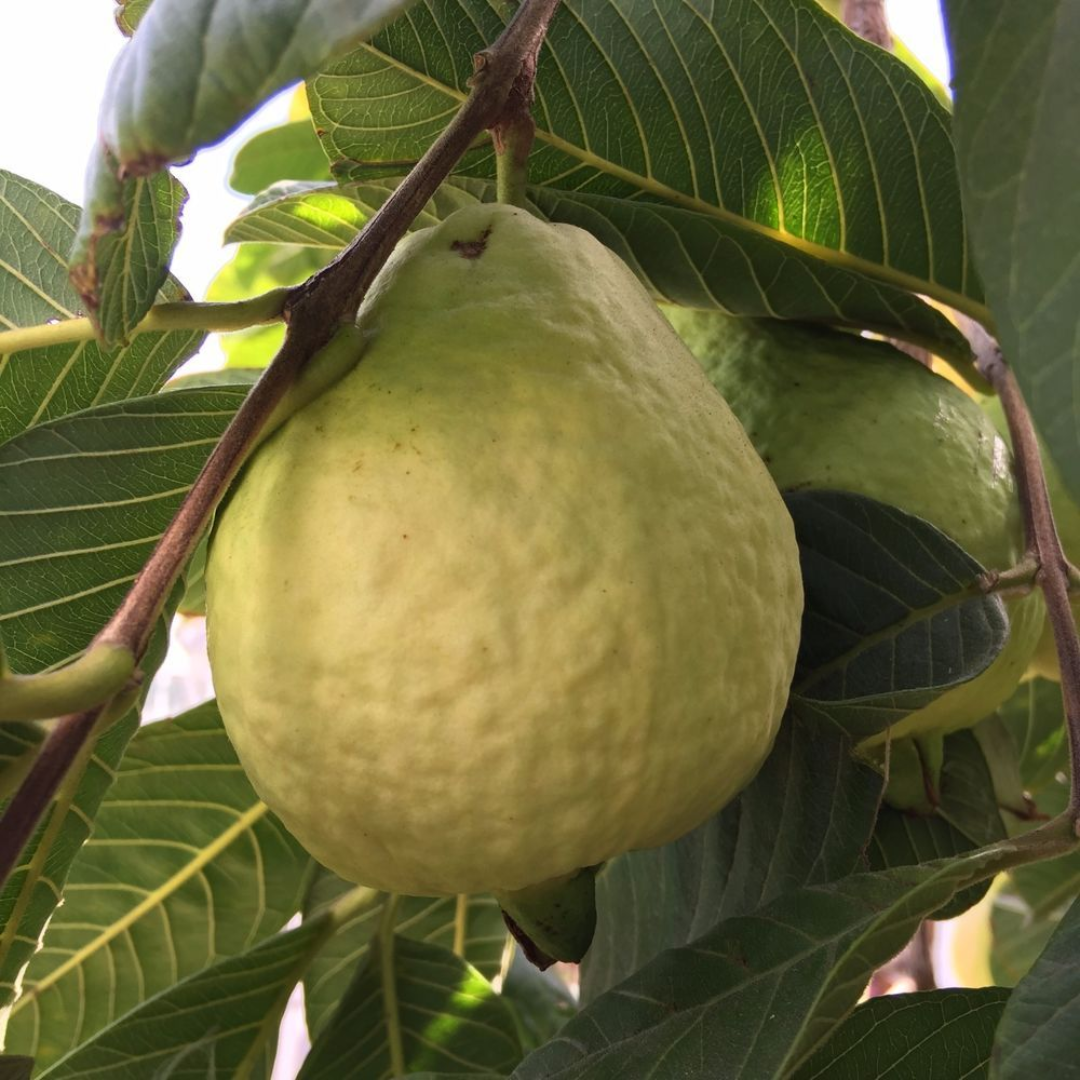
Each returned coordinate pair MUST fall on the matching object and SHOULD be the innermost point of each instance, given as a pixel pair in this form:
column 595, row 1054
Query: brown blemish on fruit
column 472, row 249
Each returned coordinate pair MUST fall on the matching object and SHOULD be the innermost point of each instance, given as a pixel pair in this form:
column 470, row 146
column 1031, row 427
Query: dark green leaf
column 770, row 113
column 1035, row 718
column 759, row 993
column 891, row 619
column 210, row 1026
column 1017, row 114
column 83, row 501
column 939, row 1035
column 965, row 817
column 418, row 1005
column 37, row 228
column 1037, row 1034
column 120, row 258
column 1018, row 936
column 185, row 866
column 289, row 152
column 806, row 819
column 682, row 255
column 471, row 925
column 540, row 1000
column 213, row 62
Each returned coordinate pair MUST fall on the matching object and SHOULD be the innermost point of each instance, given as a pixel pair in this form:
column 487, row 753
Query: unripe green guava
column 827, row 410
column 516, row 594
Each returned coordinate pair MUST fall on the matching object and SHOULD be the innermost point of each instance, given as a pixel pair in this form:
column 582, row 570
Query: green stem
column 96, row 676
column 180, row 315
column 391, row 1013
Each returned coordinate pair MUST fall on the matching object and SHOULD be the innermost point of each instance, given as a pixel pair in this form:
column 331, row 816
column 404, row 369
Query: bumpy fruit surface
column 1067, row 519
column 516, row 594
column 829, row 411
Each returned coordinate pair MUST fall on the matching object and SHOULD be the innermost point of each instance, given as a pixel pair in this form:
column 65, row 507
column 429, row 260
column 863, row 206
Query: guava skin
column 515, row 595
column 826, row 410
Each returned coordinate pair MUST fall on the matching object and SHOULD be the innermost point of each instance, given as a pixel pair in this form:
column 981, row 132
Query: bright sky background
column 54, row 71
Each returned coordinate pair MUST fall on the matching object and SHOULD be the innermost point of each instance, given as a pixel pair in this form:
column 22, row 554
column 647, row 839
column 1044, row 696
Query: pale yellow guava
column 516, row 594
column 1067, row 519
column 827, row 410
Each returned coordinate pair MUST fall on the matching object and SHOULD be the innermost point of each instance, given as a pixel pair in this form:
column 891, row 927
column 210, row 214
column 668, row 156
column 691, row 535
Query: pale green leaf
column 186, row 865
column 120, row 258
column 768, row 115
column 472, row 923
column 682, row 255
column 437, row 1011
column 37, row 228
column 213, row 1025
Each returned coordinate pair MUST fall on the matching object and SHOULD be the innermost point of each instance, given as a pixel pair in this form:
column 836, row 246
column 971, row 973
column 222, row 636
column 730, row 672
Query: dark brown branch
column 867, row 19
column 314, row 312
column 1043, row 543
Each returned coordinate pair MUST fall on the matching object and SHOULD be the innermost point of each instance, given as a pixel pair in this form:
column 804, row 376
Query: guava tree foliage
column 753, row 159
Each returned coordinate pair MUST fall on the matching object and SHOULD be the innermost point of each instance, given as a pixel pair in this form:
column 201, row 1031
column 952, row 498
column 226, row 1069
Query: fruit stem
column 514, row 138
column 186, row 315
column 1054, row 570
column 313, row 312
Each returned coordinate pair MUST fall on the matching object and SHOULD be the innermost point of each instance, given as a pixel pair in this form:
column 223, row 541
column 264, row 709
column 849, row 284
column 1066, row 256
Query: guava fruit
column 514, row 595
column 1045, row 661
column 827, row 410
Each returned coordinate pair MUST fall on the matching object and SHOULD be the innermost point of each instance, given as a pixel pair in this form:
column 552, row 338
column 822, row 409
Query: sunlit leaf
column 185, row 866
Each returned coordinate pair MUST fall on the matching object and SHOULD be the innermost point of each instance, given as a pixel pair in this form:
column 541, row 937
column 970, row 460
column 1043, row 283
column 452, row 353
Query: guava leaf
column 196, row 68
column 212, row 1025
column 936, row 1035
column 84, row 500
column 474, row 923
column 1035, row 719
column 1017, row 113
column 890, row 621
column 684, row 256
column 288, row 152
column 185, row 866
column 18, row 745
column 758, row 993
column 413, row 1005
column 770, row 115
column 127, row 233
column 30, row 895
column 540, row 1000
column 965, row 817
column 1037, row 1033
column 37, row 229
column 806, row 819
column 129, row 13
